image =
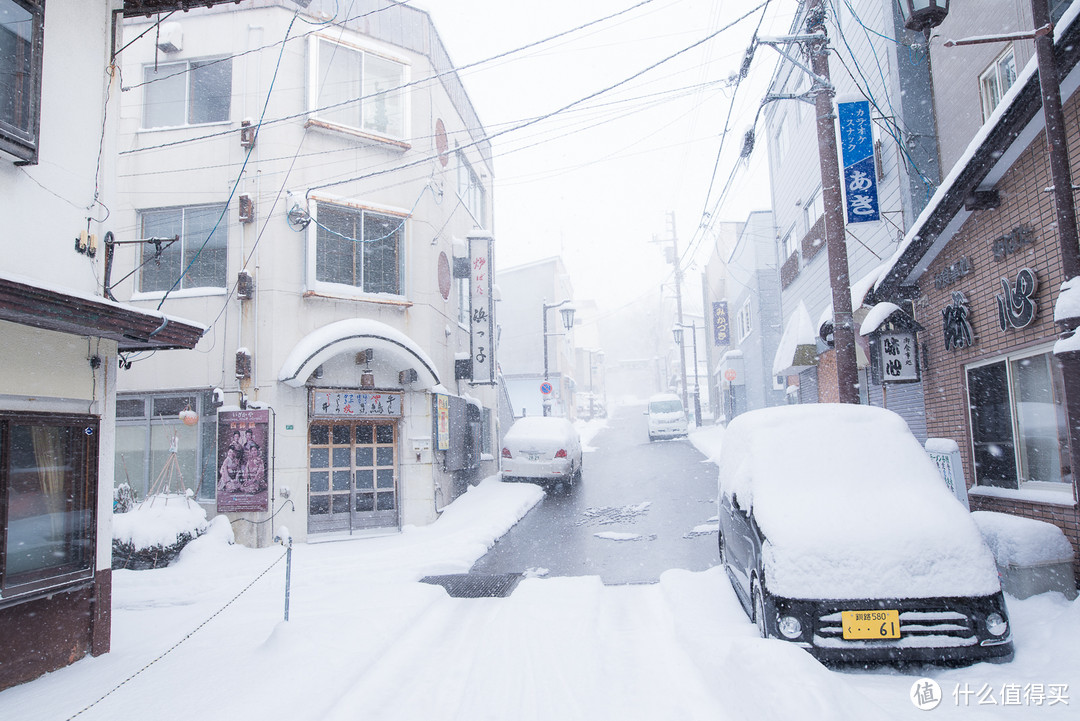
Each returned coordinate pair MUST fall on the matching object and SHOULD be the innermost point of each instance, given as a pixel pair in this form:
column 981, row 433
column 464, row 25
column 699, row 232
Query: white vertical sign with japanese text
column 481, row 310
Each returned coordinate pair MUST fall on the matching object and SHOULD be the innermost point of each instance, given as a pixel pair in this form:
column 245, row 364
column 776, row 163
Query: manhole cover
column 476, row 585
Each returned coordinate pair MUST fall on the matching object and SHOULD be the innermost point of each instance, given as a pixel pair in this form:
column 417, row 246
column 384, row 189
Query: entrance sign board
column 355, row 404
column 481, row 311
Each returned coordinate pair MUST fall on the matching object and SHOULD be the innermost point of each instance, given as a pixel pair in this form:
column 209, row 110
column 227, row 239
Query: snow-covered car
column 667, row 417
column 838, row 534
column 542, row 448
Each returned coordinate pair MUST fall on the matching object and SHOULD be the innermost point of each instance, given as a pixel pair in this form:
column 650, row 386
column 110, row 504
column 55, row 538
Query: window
column 359, row 248
column 787, row 244
column 812, row 210
column 359, row 90
column 463, row 300
column 187, row 93
column 21, row 25
column 471, row 190
column 145, row 428
column 1018, row 429
column 996, row 80
column 744, row 322
column 198, row 255
column 780, row 142
column 48, row 491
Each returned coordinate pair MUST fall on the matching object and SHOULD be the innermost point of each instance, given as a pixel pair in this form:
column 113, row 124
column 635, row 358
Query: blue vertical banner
column 860, row 178
column 721, row 328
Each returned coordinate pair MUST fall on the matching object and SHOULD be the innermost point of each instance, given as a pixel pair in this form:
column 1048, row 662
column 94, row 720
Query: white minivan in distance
column 667, row 417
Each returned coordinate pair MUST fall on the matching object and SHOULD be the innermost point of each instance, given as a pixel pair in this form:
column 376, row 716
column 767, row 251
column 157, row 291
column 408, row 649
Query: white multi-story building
column 316, row 188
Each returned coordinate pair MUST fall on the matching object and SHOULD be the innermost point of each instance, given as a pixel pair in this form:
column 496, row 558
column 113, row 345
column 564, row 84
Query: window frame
column 206, row 446
column 315, row 83
column 181, row 290
column 471, row 190
column 744, row 320
column 85, row 444
column 335, row 288
column 1019, row 469
column 993, row 76
column 187, row 74
column 22, row 144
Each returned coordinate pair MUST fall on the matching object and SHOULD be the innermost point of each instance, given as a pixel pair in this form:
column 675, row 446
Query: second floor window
column 996, row 81
column 471, row 190
column 359, row 90
column 187, row 93
column 359, row 248
column 744, row 321
column 203, row 256
column 20, row 71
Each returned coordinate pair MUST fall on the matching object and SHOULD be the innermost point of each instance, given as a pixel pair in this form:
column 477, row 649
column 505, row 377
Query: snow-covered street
column 367, row 640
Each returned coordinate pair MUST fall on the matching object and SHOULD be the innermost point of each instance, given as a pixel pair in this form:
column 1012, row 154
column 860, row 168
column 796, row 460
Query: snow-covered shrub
column 153, row 533
column 123, row 498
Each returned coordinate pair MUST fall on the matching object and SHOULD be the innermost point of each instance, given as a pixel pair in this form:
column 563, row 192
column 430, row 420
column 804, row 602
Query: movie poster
column 243, row 471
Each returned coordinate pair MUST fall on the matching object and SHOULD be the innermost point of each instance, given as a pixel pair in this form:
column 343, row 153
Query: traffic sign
column 729, row 374
column 545, row 388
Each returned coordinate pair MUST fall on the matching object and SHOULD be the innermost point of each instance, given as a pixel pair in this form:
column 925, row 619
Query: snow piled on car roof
column 851, row 506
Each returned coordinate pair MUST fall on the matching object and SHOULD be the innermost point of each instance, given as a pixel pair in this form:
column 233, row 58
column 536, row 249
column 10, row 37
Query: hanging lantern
column 189, row 417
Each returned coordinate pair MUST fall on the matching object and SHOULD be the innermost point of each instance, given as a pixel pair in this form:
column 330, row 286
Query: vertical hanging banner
column 243, row 437
column 481, row 310
column 721, row 327
column 860, row 176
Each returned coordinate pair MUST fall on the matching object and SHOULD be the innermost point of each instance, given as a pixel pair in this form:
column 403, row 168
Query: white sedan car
column 543, row 449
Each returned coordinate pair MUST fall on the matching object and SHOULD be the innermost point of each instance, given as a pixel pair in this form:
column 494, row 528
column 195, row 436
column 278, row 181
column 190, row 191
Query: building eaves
column 28, row 303
column 134, row 8
column 988, row 152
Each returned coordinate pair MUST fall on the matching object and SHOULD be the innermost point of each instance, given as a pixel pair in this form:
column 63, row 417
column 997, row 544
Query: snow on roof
column 353, row 334
column 799, row 330
column 877, row 315
column 1068, row 302
column 851, row 506
column 62, row 290
column 946, row 185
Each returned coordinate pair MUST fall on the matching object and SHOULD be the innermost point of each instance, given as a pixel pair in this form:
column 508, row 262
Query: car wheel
column 720, row 545
column 758, row 599
column 577, row 476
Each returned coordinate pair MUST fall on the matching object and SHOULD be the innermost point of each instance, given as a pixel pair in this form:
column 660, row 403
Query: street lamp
column 677, row 331
column 923, row 15
column 568, row 322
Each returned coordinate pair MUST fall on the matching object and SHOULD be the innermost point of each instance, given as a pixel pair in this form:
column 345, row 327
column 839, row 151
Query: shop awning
column 351, row 336
column 27, row 302
column 798, row 344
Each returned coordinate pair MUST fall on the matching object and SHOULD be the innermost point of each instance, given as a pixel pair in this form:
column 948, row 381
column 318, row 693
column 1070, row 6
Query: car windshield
column 672, row 406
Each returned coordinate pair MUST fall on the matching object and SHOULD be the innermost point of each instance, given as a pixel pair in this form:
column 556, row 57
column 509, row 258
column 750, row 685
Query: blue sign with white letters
column 860, row 178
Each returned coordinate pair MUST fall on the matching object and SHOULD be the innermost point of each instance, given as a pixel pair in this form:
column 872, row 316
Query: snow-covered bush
column 153, row 533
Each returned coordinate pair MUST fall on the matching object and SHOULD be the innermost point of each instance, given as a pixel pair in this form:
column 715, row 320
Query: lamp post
column 923, row 15
column 677, row 331
column 568, row 322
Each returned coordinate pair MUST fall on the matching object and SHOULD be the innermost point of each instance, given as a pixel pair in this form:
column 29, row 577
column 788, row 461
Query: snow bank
column 1018, row 541
column 851, row 505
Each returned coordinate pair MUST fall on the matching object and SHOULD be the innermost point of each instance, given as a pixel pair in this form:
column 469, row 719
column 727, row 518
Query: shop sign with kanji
column 860, row 172
column 355, row 404
column 481, row 310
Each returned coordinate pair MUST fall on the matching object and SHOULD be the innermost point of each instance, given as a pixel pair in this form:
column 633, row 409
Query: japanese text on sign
column 353, row 404
column 481, row 320
column 721, row 327
column 860, row 178
column 898, row 357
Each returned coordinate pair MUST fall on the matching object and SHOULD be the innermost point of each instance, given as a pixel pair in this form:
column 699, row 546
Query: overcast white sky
column 595, row 184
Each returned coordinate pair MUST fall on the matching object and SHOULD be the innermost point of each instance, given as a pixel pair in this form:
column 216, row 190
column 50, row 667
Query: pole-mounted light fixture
column 923, row 15
column 677, row 332
column 567, row 317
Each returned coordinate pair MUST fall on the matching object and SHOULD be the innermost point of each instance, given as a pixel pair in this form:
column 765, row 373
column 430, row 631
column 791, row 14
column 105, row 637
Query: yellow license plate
column 871, row 624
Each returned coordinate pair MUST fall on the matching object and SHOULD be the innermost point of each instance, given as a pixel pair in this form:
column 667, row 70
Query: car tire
column 757, row 599
column 720, row 547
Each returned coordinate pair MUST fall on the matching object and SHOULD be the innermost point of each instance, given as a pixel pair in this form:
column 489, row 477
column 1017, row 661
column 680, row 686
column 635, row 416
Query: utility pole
column 676, row 261
column 847, row 371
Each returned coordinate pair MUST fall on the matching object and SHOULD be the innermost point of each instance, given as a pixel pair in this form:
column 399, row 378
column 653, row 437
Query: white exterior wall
column 288, row 303
column 44, row 207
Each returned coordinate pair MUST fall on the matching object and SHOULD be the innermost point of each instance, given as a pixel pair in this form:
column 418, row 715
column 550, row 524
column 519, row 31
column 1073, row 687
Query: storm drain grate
column 476, row 585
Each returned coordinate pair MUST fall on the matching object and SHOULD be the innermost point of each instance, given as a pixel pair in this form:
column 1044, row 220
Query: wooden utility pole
column 847, row 371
